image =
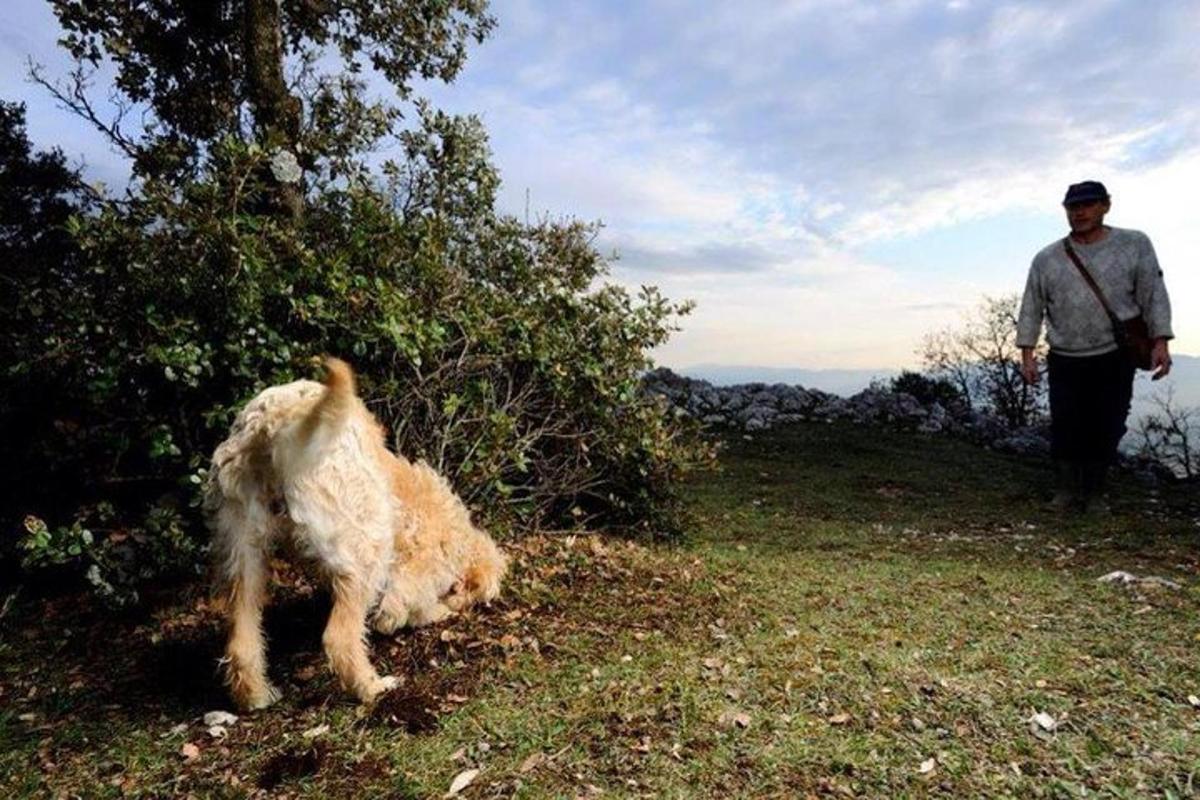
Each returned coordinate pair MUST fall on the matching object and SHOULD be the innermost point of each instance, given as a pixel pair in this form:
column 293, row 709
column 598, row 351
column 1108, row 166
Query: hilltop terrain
column 857, row 612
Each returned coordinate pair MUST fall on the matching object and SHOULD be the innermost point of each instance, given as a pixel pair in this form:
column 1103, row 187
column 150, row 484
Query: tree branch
column 74, row 98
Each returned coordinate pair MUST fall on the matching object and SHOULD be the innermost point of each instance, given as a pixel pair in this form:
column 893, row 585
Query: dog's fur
column 306, row 464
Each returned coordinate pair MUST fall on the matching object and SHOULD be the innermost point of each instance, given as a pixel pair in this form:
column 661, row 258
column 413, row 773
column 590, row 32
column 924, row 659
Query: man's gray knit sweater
column 1123, row 264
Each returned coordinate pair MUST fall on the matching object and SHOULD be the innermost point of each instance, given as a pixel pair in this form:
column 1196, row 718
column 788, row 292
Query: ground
column 857, row 613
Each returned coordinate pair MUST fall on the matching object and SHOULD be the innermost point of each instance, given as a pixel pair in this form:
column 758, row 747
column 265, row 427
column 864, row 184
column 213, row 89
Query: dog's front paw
column 378, row 687
column 429, row 615
column 261, row 698
column 388, row 623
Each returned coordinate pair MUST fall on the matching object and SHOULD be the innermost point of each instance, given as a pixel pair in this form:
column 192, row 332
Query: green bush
column 929, row 389
column 489, row 347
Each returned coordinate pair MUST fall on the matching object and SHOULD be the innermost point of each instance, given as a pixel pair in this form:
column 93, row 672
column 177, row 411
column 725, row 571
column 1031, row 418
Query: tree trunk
column 276, row 111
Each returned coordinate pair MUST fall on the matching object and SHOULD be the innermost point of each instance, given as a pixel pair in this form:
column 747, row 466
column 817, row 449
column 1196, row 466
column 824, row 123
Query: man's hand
column 1029, row 368
column 1160, row 360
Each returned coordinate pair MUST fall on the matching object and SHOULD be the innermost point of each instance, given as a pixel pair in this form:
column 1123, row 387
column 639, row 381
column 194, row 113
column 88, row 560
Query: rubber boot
column 1094, row 485
column 1068, row 486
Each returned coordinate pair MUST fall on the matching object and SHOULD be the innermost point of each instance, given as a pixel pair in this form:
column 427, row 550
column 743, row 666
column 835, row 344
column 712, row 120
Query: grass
column 859, row 613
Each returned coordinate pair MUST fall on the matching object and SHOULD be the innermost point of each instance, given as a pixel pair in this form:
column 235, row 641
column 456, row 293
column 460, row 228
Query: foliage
column 200, row 70
column 39, row 194
column 490, row 347
column 928, row 390
column 1170, row 435
column 117, row 560
column 981, row 360
column 486, row 346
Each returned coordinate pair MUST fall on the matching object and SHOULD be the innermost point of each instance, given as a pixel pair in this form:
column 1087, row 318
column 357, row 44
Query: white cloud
column 802, row 130
column 741, row 154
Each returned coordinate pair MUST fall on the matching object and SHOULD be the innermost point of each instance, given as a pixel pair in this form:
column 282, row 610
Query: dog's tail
column 335, row 406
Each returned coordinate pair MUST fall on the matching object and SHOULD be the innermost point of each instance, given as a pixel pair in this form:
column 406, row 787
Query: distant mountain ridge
column 1184, row 379
column 844, row 382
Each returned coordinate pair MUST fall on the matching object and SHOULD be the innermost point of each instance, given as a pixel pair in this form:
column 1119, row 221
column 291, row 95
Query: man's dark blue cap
column 1086, row 192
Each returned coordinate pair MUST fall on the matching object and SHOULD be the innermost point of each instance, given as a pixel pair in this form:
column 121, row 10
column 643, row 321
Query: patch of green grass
column 858, row 613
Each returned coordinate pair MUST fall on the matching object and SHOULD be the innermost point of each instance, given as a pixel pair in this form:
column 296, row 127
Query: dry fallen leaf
column 313, row 733
column 1194, row 700
column 532, row 762
column 839, row 719
column 927, row 766
column 189, row 751
column 738, row 719
column 305, row 674
column 175, row 730
column 461, row 781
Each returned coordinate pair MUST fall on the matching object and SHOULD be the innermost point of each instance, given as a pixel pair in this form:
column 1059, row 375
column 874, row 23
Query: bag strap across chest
column 1087, row 277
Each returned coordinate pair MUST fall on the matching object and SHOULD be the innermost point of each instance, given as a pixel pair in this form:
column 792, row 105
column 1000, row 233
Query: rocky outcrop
column 753, row 407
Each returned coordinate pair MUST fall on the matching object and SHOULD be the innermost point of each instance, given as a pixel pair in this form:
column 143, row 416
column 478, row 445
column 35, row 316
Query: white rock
column 1044, row 721
column 1128, row 579
column 1163, row 582
column 219, row 718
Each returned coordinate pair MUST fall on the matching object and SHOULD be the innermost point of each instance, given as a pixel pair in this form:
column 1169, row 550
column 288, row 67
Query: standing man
column 1091, row 377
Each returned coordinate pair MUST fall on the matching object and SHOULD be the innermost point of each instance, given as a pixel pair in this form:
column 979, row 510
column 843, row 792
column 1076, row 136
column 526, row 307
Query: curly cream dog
column 306, row 464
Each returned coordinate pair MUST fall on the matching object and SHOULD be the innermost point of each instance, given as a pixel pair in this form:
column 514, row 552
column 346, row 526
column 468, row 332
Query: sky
column 828, row 180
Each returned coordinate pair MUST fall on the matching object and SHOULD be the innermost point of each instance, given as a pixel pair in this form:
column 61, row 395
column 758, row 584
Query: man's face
column 1088, row 216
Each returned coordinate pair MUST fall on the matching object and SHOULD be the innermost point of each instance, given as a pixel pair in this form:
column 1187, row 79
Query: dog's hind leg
column 242, row 533
column 345, row 639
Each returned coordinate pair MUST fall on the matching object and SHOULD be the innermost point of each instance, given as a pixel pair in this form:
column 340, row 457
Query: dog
column 306, row 465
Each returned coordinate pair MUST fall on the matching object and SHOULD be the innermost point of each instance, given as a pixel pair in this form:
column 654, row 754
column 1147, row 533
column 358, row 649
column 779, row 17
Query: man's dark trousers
column 1089, row 402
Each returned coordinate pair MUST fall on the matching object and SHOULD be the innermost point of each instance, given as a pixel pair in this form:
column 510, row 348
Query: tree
column 981, row 359
column 39, row 194
column 1171, row 435
column 929, row 390
column 208, row 71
